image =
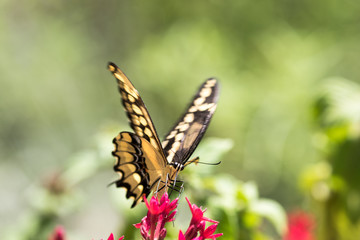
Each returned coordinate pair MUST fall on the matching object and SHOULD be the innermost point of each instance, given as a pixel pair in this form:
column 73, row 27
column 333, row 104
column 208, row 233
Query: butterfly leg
column 164, row 188
column 174, row 183
column 157, row 189
column 177, row 187
column 180, row 188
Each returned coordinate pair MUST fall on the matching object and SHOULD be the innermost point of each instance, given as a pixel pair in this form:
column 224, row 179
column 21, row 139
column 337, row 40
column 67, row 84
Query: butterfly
column 142, row 161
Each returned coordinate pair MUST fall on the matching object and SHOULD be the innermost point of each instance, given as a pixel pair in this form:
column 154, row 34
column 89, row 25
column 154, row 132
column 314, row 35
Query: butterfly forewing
column 138, row 116
column 184, row 137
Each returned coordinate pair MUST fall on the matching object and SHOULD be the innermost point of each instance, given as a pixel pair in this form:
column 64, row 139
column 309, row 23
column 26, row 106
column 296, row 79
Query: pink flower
column 58, row 234
column 160, row 212
column 300, row 226
column 197, row 225
column 111, row 237
column 208, row 232
column 163, row 211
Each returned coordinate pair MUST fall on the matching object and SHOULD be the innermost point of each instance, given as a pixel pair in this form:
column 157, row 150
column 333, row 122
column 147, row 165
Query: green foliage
column 333, row 183
column 235, row 204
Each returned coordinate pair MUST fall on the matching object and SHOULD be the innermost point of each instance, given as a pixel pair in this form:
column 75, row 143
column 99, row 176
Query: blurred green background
column 277, row 61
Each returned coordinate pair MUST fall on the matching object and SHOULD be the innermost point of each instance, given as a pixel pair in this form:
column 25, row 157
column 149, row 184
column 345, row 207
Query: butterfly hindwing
column 133, row 155
column 184, row 137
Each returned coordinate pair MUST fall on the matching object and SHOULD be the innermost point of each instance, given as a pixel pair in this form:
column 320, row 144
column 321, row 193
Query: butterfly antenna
column 211, row 164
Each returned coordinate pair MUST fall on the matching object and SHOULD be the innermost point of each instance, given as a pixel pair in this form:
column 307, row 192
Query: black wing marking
column 184, row 137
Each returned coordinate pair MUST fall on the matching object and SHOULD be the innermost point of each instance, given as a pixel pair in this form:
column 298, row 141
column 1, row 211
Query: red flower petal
column 181, row 236
column 111, row 237
column 58, row 234
column 300, row 226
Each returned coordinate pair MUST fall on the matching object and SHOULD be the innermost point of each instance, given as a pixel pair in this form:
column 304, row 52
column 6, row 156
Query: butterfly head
column 178, row 166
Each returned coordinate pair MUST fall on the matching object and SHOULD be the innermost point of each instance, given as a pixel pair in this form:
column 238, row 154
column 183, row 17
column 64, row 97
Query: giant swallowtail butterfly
column 142, row 161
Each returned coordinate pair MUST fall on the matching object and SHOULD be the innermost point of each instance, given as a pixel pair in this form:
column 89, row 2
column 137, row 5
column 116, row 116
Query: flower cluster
column 160, row 212
column 197, row 225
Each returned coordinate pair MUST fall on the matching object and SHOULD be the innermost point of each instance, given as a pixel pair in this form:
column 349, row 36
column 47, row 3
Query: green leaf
column 272, row 211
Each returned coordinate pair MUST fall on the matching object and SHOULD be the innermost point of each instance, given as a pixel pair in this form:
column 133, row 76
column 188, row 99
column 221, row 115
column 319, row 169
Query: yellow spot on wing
column 179, row 137
column 136, row 177
column 136, row 121
column 142, row 121
column 148, row 132
column 170, row 156
column 127, row 89
column 111, row 68
column 153, row 142
column 135, row 118
column 171, row 135
column 136, row 109
column 183, row 127
column 124, row 95
column 139, row 131
column 131, row 98
column 140, row 188
column 118, row 76
column 189, row 117
column 164, row 143
column 206, row 106
column 175, row 146
column 128, row 107
column 210, row 83
column 199, row 100
column 193, row 109
column 205, row 92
